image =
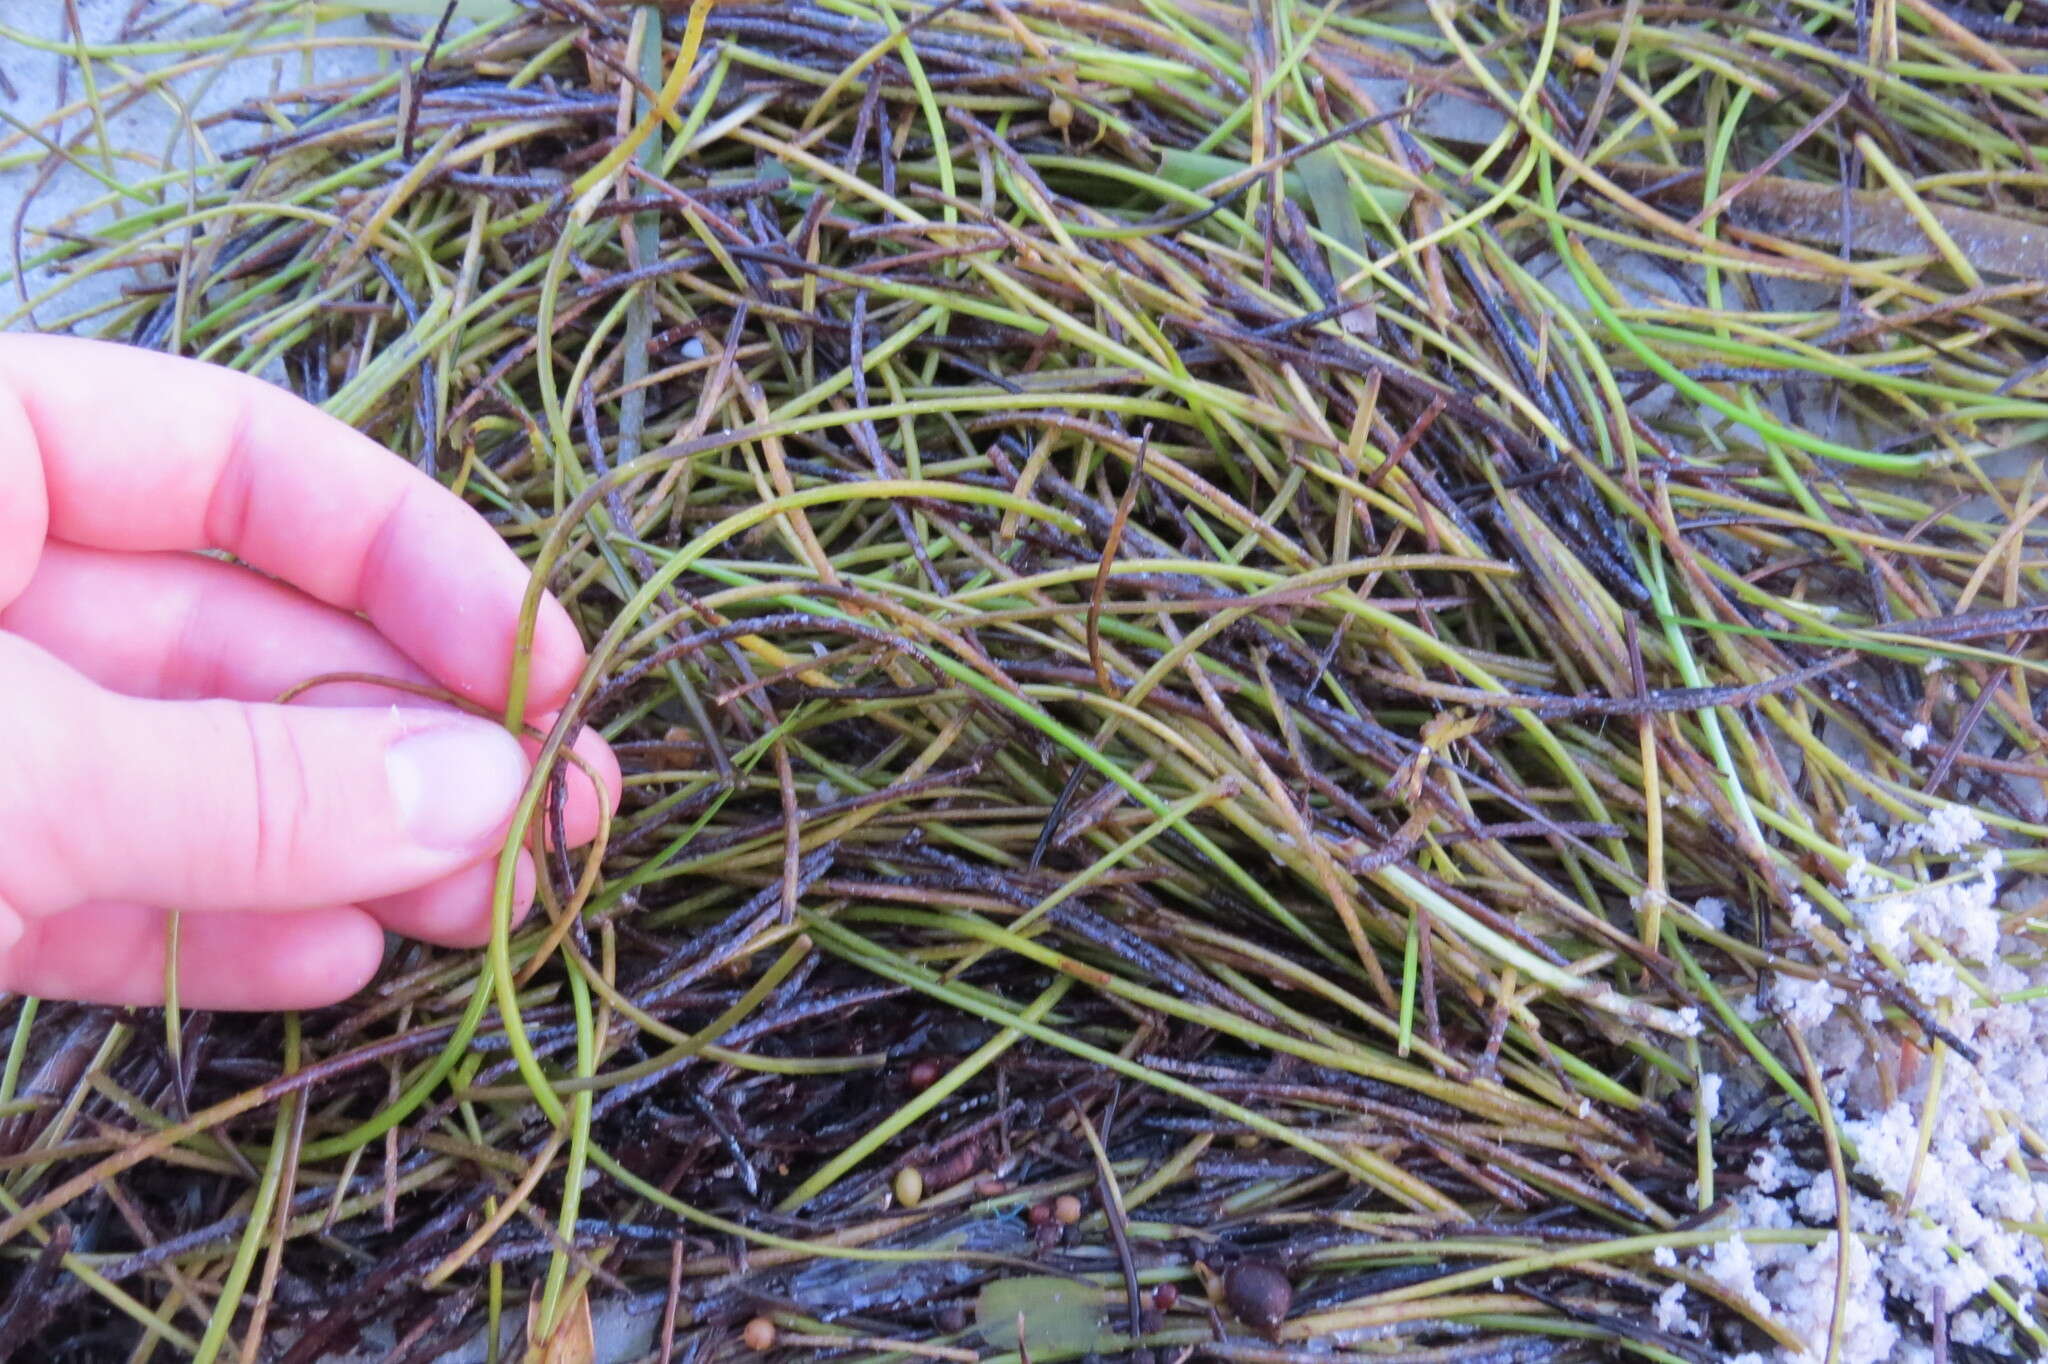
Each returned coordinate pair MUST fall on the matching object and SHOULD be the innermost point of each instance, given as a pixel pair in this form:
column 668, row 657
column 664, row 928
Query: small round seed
column 909, row 1186
column 1258, row 1293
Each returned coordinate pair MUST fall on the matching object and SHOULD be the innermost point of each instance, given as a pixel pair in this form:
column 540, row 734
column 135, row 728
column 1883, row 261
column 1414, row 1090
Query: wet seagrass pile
column 1297, row 681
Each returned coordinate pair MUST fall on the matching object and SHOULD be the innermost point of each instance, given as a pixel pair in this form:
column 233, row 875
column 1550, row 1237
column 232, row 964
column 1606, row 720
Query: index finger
column 140, row 451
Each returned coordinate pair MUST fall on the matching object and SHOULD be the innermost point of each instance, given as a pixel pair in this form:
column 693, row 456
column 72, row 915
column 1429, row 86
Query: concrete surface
column 150, row 127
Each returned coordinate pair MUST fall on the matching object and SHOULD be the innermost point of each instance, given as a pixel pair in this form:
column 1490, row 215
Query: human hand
column 144, row 767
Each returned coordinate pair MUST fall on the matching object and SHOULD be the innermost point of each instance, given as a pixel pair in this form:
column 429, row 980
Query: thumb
column 216, row 805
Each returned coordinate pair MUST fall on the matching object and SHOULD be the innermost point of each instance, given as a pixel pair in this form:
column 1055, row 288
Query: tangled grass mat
column 1298, row 682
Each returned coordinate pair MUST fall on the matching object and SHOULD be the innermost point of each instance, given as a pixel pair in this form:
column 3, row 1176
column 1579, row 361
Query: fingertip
column 610, row 776
column 525, row 886
column 228, row 806
column 24, row 511
column 594, row 806
column 191, row 627
column 304, row 969
column 456, row 910
column 558, row 657
column 586, row 808
column 464, row 631
column 455, row 782
column 258, row 961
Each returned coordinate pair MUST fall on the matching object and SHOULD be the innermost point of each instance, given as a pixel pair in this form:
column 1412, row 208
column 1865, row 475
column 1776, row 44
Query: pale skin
column 145, row 765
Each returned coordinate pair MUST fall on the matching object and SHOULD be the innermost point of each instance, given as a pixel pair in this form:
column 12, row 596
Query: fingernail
column 455, row 785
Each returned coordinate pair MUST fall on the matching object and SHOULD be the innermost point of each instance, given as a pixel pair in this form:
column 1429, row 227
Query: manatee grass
column 1313, row 633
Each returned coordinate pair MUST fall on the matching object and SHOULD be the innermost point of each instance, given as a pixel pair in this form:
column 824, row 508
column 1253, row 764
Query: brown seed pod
column 1067, row 1209
column 1165, row 1296
column 1040, row 1214
column 950, row 1171
column 1258, row 1292
column 759, row 1335
column 924, row 1073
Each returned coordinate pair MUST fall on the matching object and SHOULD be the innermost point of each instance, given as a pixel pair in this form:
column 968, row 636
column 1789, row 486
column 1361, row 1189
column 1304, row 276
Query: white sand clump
column 1949, row 1160
column 1669, row 1312
column 1807, row 1003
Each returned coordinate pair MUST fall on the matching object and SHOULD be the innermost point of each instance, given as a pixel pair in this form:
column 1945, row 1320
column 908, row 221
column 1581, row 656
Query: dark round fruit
column 1258, row 1293
column 1040, row 1214
column 1165, row 1296
column 924, row 1074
